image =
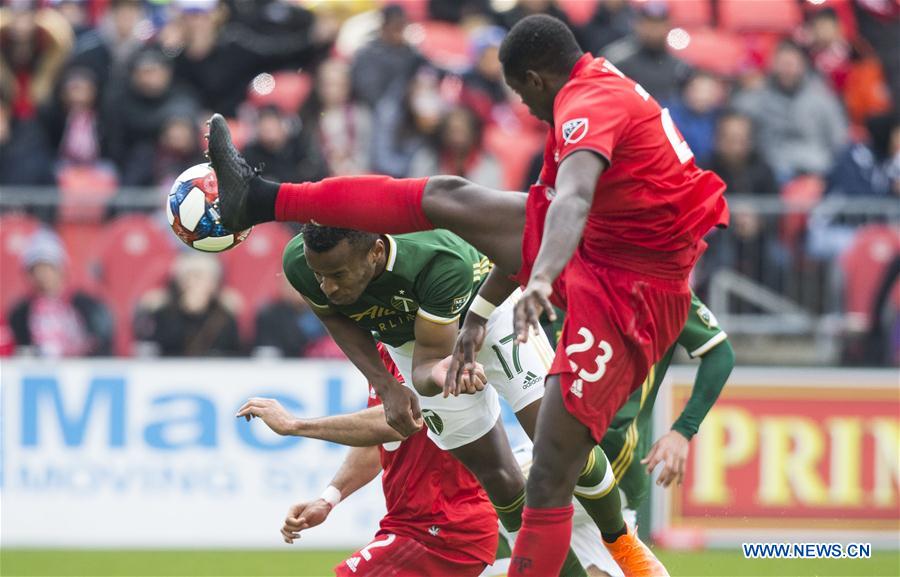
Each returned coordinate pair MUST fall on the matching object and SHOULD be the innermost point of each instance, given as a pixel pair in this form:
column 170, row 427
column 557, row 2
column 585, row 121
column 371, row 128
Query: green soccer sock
column 511, row 518
column 598, row 493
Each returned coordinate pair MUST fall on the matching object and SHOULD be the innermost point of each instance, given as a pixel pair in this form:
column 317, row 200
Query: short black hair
column 541, row 43
column 324, row 238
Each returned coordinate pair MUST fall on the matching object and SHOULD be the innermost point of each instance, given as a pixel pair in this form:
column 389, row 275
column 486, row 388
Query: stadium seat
column 514, row 150
column 15, row 229
column 578, row 11
column 81, row 241
column 253, row 270
column 864, row 264
column 85, row 191
column 801, row 194
column 445, row 44
column 717, row 51
column 690, row 12
column 760, row 15
column 133, row 255
column 287, row 90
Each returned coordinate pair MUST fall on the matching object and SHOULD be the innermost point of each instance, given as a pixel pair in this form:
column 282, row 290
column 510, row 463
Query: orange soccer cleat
column 634, row 558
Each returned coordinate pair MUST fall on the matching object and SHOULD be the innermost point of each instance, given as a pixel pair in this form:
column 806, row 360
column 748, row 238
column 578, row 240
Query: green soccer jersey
column 432, row 274
column 628, row 438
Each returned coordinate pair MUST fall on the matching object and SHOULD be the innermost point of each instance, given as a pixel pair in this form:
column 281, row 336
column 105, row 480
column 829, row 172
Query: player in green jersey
column 627, row 442
column 409, row 291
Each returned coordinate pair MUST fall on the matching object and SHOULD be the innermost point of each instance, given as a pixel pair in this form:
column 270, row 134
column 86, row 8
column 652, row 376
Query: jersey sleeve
column 701, row 332
column 591, row 116
column 302, row 277
column 445, row 288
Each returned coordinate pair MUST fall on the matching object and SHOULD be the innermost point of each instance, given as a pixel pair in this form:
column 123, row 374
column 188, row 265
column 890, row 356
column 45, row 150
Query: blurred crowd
column 116, row 91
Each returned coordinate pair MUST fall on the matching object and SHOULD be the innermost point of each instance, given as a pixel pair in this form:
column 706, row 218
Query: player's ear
column 377, row 251
column 533, row 80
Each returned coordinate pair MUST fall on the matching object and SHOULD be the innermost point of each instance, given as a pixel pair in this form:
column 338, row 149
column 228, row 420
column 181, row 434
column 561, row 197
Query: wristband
column 331, row 495
column 482, row 307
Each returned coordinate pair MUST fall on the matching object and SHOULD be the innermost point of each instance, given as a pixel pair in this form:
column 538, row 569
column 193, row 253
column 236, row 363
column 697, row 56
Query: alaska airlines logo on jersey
column 459, row 303
column 707, row 317
column 402, row 302
column 373, row 312
column 574, row 130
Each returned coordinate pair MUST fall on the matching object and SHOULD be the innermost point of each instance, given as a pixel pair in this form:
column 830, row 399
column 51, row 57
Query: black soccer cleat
column 233, row 174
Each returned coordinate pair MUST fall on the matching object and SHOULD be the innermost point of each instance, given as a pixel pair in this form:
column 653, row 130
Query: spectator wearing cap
column 218, row 57
column 284, row 148
column 799, row 121
column 611, row 21
column 193, row 316
column 54, row 321
column 385, row 60
column 643, row 57
column 484, row 90
column 136, row 113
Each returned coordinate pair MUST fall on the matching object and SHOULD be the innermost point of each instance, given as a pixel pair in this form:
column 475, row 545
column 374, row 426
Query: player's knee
column 549, row 485
column 445, row 192
column 502, row 483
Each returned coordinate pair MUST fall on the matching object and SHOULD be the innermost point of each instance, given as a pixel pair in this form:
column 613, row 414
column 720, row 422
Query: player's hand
column 534, row 302
column 672, row 450
column 462, row 361
column 401, row 409
column 469, row 382
column 272, row 414
column 304, row 516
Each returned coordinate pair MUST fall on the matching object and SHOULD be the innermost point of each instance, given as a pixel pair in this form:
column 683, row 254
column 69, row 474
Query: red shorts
column 618, row 324
column 397, row 556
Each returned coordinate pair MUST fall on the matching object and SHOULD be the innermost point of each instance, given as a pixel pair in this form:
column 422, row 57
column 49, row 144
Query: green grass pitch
column 302, row 563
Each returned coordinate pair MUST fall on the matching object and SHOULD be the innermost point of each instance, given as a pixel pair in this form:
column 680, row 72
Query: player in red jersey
column 439, row 520
column 614, row 248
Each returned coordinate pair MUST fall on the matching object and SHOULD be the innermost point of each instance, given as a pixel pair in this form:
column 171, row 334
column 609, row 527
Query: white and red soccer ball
column 193, row 211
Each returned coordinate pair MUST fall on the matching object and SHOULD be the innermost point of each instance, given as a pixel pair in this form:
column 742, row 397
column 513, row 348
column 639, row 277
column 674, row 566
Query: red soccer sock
column 372, row 203
column 542, row 543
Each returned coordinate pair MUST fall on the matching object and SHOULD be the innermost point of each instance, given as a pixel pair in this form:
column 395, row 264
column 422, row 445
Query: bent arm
column 715, row 367
column 575, row 185
column 360, row 466
column 359, row 346
column 434, row 342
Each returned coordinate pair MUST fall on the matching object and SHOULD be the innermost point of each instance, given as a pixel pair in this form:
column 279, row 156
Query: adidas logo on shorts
column 530, row 379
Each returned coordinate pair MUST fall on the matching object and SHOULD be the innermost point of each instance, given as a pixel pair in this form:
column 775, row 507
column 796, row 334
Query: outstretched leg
column 491, row 220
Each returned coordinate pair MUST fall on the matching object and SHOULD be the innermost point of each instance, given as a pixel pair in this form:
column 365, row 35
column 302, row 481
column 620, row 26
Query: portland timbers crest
column 403, row 302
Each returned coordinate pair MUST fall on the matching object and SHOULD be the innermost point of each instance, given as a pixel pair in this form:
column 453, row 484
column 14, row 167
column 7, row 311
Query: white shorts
column 514, row 371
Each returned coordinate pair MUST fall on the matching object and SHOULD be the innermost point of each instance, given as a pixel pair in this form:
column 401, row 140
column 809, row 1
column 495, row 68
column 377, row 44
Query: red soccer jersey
column 652, row 205
column 431, row 497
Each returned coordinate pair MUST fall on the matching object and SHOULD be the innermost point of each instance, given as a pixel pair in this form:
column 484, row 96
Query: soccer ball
column 193, row 211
